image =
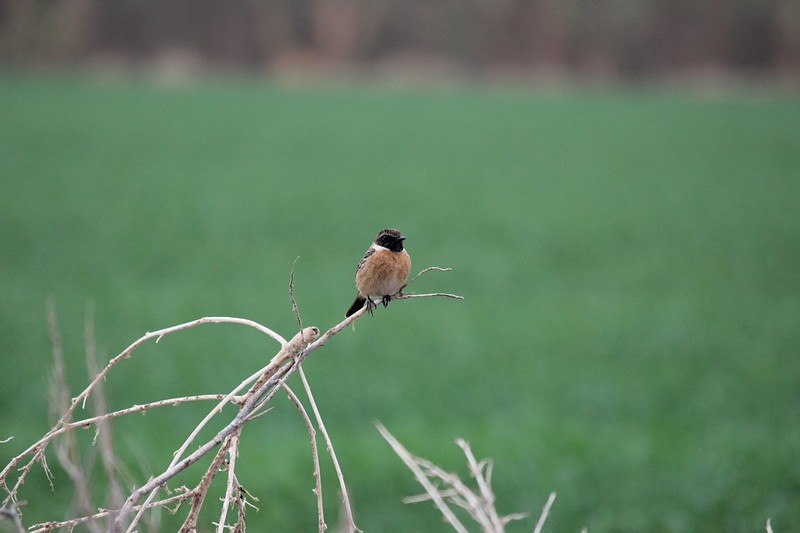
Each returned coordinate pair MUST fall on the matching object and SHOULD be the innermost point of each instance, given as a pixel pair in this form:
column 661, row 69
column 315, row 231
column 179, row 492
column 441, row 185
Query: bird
column 383, row 270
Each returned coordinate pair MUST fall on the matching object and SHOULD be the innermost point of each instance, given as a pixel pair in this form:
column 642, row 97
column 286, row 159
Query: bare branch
column 201, row 490
column 233, row 484
column 448, row 487
column 545, row 512
column 312, row 434
column 66, row 450
column 295, row 309
column 432, row 491
column 487, row 496
column 50, row 526
column 409, row 295
column 425, row 271
column 103, row 428
column 158, row 335
column 38, row 447
column 37, row 456
column 405, row 296
column 351, row 525
column 253, row 398
column 269, row 369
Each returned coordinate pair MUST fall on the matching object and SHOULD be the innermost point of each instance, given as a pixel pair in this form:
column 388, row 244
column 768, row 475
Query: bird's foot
column 371, row 305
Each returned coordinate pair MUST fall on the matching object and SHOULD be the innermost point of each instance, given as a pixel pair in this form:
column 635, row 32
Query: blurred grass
column 629, row 260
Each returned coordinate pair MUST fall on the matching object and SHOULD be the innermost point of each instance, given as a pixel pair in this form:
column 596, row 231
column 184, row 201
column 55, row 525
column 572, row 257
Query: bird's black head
column 391, row 239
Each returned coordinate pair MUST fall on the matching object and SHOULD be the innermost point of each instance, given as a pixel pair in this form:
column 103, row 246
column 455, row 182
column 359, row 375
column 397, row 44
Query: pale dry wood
column 442, row 487
column 38, row 450
column 233, row 484
column 66, row 450
column 291, row 350
column 201, row 490
column 108, row 455
column 545, row 512
column 285, row 353
column 422, row 478
column 70, row 524
column 312, row 435
column 350, row 524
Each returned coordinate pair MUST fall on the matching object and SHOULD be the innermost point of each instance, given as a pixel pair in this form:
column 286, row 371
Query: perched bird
column 382, row 271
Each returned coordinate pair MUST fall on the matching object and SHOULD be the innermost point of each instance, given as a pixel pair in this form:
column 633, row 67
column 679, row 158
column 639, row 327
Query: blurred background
column 615, row 185
column 633, row 39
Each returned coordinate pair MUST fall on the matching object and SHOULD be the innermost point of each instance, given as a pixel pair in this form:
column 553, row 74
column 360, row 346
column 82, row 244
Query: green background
column 629, row 261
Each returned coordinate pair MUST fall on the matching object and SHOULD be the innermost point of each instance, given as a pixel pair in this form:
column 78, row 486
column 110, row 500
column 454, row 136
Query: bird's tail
column 357, row 304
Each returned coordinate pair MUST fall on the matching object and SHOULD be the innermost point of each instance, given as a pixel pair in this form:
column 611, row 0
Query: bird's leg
column 371, row 305
column 385, row 300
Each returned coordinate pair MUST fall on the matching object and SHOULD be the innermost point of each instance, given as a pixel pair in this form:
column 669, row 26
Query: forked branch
column 445, row 488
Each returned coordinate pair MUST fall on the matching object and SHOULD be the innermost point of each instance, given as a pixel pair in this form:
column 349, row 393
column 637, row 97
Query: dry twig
column 103, row 433
column 442, row 487
column 312, row 435
column 545, row 512
column 349, row 524
column 66, row 450
column 435, row 494
column 201, row 490
column 260, row 391
column 70, row 524
column 233, row 484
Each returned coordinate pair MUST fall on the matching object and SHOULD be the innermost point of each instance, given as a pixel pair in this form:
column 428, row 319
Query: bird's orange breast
column 384, row 273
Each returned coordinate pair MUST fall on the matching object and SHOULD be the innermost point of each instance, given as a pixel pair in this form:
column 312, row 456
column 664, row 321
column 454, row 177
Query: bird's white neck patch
column 378, row 247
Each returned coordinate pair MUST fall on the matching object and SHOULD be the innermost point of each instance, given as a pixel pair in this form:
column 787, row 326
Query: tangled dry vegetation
column 129, row 511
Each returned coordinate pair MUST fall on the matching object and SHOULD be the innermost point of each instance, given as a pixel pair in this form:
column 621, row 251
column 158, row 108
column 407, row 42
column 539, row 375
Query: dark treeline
column 625, row 38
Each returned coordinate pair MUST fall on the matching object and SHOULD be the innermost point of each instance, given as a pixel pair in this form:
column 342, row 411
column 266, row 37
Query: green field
column 630, row 261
